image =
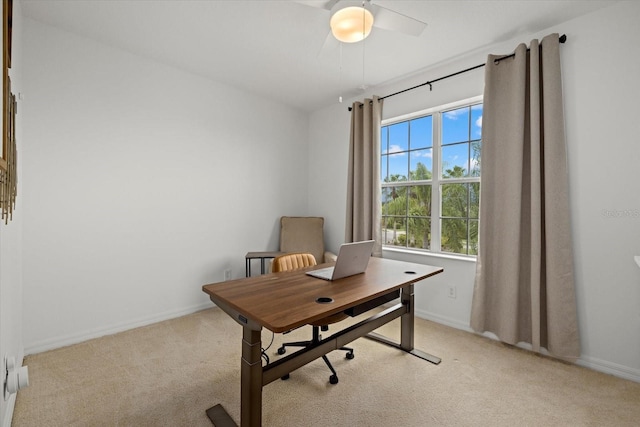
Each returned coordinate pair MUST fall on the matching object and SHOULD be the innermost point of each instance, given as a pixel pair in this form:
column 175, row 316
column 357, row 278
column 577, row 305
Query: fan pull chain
column 340, row 76
column 363, row 42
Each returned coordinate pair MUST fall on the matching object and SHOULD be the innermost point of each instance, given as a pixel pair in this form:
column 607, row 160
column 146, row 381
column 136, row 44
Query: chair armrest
column 330, row 257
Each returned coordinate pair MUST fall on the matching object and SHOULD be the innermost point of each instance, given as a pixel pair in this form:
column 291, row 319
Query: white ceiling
column 277, row 48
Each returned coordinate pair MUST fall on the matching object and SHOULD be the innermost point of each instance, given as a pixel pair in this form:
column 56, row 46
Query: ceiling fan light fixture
column 351, row 24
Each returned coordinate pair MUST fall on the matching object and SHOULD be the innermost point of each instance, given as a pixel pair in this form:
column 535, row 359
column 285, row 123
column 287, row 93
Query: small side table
column 261, row 256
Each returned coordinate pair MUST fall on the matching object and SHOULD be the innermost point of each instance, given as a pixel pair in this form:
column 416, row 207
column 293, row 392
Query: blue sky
column 459, row 126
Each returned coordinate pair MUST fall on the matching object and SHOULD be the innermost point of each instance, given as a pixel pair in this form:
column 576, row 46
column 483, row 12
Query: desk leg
column 406, row 329
column 251, row 379
column 407, row 319
column 250, row 386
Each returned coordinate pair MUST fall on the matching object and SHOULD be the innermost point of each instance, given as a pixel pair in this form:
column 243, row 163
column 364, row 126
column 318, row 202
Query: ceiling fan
column 351, row 20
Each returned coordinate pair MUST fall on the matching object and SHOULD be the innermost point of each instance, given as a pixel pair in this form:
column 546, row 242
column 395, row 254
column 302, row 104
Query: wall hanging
column 8, row 157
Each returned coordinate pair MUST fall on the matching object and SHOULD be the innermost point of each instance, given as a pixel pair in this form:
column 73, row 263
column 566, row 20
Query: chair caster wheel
column 350, row 355
column 284, row 377
column 333, row 379
column 282, row 350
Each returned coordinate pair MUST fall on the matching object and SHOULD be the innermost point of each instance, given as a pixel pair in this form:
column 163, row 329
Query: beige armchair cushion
column 304, row 234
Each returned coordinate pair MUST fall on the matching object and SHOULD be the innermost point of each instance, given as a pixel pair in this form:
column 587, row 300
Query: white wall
column 600, row 67
column 141, row 183
column 11, row 342
column 601, row 72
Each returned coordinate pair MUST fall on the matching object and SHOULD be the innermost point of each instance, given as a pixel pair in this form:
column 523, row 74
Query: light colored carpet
column 169, row 373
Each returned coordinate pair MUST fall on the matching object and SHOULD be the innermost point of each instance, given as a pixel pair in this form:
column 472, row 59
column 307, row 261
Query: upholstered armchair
column 304, row 234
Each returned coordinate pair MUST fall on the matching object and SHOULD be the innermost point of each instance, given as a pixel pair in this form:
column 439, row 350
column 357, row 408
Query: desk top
column 286, row 300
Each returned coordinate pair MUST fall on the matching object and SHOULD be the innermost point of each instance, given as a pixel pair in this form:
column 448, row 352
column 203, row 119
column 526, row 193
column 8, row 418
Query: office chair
column 300, row 260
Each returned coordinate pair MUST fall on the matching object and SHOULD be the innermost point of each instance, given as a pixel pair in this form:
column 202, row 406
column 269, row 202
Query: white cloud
column 395, row 150
column 453, row 114
column 423, row 153
column 477, row 131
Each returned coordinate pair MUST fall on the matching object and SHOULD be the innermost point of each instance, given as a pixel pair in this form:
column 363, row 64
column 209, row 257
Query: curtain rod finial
column 563, row 38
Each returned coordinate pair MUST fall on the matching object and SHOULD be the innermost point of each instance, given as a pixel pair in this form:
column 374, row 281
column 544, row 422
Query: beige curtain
column 363, row 186
column 524, row 287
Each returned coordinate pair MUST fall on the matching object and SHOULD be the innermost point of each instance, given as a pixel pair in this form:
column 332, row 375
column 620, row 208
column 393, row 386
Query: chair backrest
column 292, row 262
column 302, row 234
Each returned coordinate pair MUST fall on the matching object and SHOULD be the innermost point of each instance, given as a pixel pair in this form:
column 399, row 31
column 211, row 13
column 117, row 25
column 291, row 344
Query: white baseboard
column 610, row 368
column 58, row 342
column 603, row 366
column 447, row 321
column 8, row 415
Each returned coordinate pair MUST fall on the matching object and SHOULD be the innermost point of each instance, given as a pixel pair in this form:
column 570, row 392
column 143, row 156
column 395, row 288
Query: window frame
column 436, row 180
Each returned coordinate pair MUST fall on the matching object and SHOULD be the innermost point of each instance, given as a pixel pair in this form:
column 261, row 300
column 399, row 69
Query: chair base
column 333, row 379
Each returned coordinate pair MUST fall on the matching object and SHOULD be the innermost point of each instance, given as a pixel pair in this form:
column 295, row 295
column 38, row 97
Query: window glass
column 455, row 160
column 399, row 137
column 455, row 126
column 421, row 164
column 421, row 132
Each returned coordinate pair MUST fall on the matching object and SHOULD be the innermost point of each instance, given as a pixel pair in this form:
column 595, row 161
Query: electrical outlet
column 227, row 274
column 451, row 291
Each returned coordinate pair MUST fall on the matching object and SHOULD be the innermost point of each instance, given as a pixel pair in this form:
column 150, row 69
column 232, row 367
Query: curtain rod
column 561, row 39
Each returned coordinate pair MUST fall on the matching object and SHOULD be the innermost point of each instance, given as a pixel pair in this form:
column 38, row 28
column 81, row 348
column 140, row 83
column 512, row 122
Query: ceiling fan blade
column 319, row 4
column 330, row 4
column 391, row 20
column 330, row 43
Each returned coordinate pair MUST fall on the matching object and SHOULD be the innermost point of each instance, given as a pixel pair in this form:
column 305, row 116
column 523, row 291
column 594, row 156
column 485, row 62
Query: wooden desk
column 287, row 300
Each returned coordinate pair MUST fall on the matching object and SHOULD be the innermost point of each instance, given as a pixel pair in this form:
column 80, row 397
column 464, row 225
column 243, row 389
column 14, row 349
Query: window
column 430, row 177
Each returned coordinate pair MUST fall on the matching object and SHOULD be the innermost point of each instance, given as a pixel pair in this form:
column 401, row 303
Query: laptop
column 353, row 258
